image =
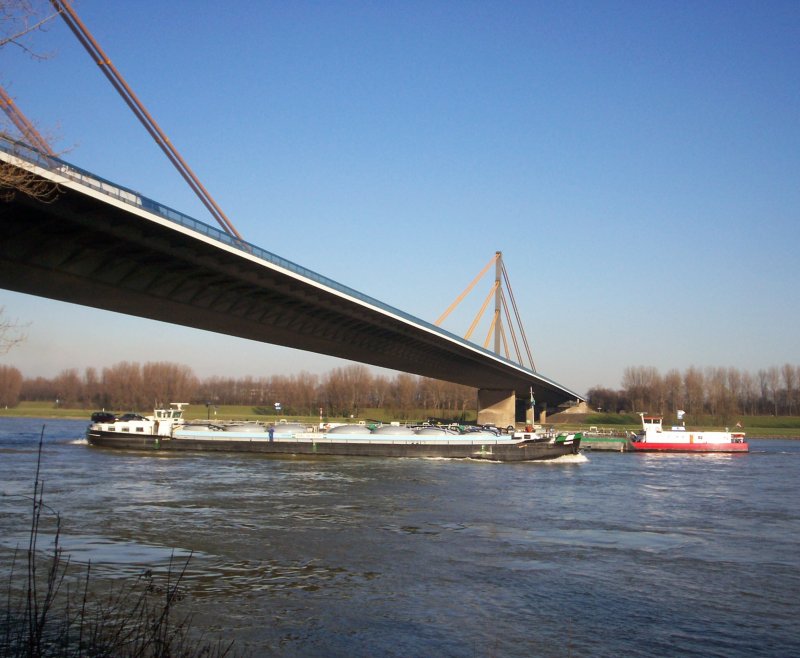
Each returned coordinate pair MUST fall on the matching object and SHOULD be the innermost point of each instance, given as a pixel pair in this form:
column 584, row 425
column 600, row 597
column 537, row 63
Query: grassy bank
column 753, row 426
column 786, row 427
column 222, row 412
column 42, row 410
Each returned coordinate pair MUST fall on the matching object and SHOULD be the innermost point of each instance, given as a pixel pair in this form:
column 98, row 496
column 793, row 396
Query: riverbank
column 767, row 427
column 222, row 412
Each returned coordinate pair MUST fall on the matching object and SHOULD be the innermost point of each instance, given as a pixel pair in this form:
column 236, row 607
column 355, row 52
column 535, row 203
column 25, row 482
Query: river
column 602, row 554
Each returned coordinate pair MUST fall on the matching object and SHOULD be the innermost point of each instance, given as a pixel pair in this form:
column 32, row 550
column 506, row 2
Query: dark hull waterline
column 489, row 450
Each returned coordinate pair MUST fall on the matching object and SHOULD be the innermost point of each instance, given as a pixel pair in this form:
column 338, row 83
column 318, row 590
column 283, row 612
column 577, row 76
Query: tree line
column 344, row 391
column 720, row 392
column 349, row 390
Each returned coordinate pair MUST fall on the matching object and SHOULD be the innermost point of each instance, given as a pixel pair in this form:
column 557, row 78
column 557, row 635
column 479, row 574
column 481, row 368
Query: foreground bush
column 53, row 609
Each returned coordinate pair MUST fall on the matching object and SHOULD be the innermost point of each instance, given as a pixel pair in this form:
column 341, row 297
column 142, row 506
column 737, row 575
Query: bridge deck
column 105, row 246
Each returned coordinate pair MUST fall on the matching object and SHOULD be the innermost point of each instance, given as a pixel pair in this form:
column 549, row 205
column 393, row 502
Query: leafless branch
column 13, row 180
column 11, row 333
column 20, row 18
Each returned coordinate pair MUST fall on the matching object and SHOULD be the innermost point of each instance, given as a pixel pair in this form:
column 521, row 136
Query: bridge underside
column 82, row 250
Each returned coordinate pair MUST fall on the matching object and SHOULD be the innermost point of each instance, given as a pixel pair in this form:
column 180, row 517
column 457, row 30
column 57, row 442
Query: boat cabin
column 651, row 423
column 654, row 425
column 175, row 412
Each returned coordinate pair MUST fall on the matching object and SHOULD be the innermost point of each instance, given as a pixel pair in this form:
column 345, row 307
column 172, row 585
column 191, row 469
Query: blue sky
column 637, row 163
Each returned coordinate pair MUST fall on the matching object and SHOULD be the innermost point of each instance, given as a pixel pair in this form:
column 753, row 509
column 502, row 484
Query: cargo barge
column 166, row 430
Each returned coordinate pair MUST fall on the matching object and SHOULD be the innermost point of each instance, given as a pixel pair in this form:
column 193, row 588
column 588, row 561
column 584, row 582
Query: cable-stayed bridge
column 99, row 244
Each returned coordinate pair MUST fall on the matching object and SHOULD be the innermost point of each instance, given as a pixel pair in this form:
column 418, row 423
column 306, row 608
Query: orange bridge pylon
column 501, row 309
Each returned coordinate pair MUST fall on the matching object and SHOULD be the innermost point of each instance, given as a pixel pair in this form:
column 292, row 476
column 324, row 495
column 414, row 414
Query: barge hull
column 522, row 451
column 616, row 444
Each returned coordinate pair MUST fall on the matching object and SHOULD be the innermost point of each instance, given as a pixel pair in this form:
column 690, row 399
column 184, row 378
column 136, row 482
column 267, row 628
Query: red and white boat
column 654, row 438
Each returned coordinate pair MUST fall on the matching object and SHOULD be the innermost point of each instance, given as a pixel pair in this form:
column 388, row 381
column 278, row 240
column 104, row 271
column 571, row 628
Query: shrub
column 54, row 609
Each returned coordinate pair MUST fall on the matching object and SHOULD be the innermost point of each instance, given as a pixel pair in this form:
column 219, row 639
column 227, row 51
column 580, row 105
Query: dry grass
column 55, row 609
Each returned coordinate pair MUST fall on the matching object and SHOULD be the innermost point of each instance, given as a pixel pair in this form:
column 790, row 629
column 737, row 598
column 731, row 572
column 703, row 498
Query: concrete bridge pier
column 503, row 408
column 497, row 407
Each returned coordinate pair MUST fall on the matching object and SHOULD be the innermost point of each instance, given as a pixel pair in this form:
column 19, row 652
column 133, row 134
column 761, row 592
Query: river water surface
column 602, row 554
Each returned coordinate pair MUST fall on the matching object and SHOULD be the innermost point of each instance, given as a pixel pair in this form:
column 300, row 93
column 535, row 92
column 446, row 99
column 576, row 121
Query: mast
column 498, row 300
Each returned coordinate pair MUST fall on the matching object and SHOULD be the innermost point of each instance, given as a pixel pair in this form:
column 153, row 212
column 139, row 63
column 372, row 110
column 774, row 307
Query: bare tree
column 749, row 394
column 305, row 396
column 15, row 179
column 11, row 333
column 380, row 391
column 348, row 388
column 123, row 385
column 10, row 386
column 763, row 387
column 673, row 390
column 645, row 388
column 164, row 382
column 20, row 20
column 797, row 389
column 694, row 389
column 603, row 399
column 334, row 392
column 405, row 393
column 69, row 388
column 92, row 391
column 735, row 390
column 715, row 389
column 466, row 397
column 721, row 397
column 774, row 386
column 38, row 388
column 790, row 382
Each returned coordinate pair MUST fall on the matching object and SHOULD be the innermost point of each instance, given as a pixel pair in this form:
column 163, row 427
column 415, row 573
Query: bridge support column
column 496, row 407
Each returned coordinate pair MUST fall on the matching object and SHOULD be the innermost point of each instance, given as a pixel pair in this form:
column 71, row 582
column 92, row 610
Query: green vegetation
column 754, row 426
column 42, row 410
column 229, row 412
column 772, row 422
column 613, row 419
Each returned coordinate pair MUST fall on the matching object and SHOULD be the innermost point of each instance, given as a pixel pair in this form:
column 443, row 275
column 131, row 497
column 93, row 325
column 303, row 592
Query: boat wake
column 78, row 442
column 580, row 458
column 441, row 459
